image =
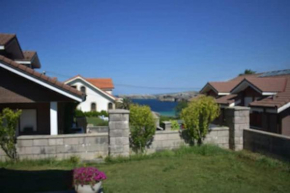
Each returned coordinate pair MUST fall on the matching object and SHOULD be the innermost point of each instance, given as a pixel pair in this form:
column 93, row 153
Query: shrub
column 8, row 123
column 198, row 115
column 174, row 125
column 142, row 127
column 79, row 113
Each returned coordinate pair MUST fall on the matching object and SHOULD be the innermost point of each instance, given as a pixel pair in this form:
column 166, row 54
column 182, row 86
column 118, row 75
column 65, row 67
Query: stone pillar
column 167, row 125
column 237, row 119
column 119, row 132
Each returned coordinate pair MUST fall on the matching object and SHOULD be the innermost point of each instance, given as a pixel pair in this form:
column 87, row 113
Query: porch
column 44, row 118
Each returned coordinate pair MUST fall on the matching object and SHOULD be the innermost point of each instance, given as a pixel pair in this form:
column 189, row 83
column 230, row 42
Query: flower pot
column 88, row 188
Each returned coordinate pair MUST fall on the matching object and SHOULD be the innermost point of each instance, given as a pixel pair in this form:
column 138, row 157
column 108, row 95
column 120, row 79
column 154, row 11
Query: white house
column 98, row 93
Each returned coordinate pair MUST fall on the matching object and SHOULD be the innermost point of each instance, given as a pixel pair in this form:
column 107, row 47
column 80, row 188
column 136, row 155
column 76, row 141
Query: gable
column 17, row 89
column 80, row 82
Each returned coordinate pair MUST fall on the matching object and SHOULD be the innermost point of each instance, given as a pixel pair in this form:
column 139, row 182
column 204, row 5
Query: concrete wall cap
column 118, row 111
column 268, row 133
column 61, row 136
column 239, row 108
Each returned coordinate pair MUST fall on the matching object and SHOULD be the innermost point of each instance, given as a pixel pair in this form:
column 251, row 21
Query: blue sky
column 169, row 45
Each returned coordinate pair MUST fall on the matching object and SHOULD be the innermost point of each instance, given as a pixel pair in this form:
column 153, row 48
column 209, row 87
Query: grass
column 188, row 169
column 96, row 121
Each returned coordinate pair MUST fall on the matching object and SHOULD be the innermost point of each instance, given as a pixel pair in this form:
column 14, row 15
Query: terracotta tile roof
column 5, row 38
column 227, row 99
column 102, row 83
column 282, row 98
column 86, row 79
column 40, row 76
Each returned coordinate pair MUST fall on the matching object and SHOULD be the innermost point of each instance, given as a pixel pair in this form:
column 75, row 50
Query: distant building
column 98, row 91
column 267, row 94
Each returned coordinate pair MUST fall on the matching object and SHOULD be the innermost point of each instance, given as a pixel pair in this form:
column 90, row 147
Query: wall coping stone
column 61, row 136
column 268, row 133
column 239, row 108
column 119, row 111
column 165, row 132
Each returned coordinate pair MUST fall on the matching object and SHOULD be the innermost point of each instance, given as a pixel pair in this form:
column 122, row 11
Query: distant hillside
column 164, row 97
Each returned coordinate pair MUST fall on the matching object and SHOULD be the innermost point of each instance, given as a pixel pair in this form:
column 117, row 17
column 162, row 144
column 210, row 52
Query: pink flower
column 88, row 175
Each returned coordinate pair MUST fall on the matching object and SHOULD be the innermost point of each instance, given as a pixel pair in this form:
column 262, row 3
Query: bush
column 79, row 113
column 198, row 115
column 8, row 123
column 174, row 125
column 142, row 127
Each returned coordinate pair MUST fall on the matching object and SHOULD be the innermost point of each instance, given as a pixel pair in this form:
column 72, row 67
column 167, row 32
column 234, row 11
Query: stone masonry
column 85, row 146
column 119, row 132
column 237, row 119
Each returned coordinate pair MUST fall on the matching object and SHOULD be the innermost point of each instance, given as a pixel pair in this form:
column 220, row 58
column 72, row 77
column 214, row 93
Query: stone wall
column 271, row 144
column 173, row 139
column 86, row 146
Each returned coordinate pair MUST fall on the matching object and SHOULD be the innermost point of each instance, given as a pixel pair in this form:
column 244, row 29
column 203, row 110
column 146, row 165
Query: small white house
column 98, row 93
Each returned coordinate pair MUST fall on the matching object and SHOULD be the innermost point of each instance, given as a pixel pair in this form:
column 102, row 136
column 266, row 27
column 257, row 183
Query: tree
column 8, row 123
column 198, row 115
column 248, row 71
column 180, row 105
column 125, row 104
column 142, row 127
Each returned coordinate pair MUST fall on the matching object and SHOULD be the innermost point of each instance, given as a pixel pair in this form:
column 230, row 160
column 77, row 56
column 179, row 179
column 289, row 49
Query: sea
column 164, row 108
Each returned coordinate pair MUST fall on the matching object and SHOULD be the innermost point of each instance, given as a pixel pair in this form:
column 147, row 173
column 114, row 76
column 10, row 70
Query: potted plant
column 88, row 179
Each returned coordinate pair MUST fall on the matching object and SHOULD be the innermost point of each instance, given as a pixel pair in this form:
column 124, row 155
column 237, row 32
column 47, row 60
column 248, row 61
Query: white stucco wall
column 93, row 96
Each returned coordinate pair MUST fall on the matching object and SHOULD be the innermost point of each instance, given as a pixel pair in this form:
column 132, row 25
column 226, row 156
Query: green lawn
column 96, row 121
column 197, row 169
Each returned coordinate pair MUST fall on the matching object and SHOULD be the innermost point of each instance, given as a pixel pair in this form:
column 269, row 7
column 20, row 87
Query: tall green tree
column 248, row 71
column 8, row 124
column 198, row 115
column 142, row 127
column 125, row 104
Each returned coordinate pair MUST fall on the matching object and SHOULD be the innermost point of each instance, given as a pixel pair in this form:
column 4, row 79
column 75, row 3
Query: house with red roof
column 44, row 101
column 98, row 91
column 267, row 94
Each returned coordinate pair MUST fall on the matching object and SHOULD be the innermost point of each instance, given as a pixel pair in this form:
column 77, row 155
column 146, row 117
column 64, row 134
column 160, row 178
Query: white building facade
column 97, row 99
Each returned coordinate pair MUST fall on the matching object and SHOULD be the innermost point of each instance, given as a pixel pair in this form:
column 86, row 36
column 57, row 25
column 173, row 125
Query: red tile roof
column 102, row 83
column 40, row 76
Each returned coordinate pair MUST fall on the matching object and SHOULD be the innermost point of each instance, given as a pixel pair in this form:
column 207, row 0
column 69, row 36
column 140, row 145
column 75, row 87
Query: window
column 93, row 107
column 74, row 87
column 256, row 119
column 110, row 106
column 83, row 89
column 28, row 121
